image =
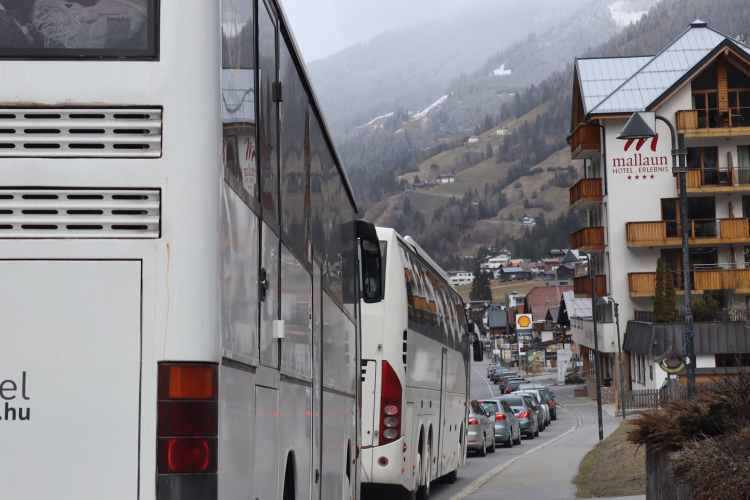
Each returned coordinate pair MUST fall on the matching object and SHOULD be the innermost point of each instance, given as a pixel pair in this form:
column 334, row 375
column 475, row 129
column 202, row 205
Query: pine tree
column 480, row 287
column 489, row 153
column 670, row 301
column 660, row 308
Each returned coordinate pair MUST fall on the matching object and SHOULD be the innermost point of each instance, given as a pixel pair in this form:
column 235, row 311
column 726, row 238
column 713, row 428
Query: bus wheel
column 423, row 492
column 451, row 477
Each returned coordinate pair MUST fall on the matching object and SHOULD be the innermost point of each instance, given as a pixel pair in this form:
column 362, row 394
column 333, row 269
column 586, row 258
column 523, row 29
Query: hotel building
column 701, row 84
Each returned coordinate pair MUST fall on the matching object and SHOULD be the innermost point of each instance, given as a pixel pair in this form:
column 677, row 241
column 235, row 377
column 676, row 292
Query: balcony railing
column 585, row 192
column 714, row 277
column 714, row 119
column 703, row 231
column 588, row 239
column 582, row 286
column 727, row 179
column 585, row 138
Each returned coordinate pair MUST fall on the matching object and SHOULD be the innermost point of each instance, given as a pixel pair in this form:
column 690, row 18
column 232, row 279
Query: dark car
column 511, row 378
column 548, row 397
column 513, row 385
column 496, row 372
column 500, row 376
column 491, row 367
column 541, row 413
column 525, row 414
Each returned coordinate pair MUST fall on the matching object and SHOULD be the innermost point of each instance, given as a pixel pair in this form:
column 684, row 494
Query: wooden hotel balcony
column 701, row 232
column 585, row 142
column 582, row 286
column 588, row 239
column 738, row 280
column 586, row 193
column 729, row 122
column 727, row 180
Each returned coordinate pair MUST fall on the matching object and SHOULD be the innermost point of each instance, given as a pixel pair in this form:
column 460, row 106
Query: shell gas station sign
column 523, row 322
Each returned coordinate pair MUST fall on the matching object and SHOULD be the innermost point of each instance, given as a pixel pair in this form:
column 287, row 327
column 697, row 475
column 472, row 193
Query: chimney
column 742, row 39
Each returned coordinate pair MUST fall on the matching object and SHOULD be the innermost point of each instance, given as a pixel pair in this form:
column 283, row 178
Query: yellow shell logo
column 524, row 321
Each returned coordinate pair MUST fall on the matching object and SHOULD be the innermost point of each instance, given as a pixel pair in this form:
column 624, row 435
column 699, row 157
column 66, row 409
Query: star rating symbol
column 636, row 177
column 644, row 177
column 630, row 177
column 652, row 176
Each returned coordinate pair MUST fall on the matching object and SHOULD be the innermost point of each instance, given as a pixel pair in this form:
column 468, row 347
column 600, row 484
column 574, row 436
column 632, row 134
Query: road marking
column 482, row 480
column 485, row 381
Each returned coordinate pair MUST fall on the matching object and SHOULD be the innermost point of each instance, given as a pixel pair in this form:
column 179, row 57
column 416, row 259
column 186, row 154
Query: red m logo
column 641, row 142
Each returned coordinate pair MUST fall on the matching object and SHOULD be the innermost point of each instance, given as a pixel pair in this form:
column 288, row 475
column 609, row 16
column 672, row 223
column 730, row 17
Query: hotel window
column 743, row 165
column 701, row 213
column 707, row 161
column 706, row 97
column 738, row 83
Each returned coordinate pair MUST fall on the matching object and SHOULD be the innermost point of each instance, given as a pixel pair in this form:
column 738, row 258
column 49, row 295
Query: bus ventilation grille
column 79, row 213
column 80, row 133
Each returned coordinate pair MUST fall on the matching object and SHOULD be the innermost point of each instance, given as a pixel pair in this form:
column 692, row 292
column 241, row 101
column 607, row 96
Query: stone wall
column 660, row 483
column 608, row 393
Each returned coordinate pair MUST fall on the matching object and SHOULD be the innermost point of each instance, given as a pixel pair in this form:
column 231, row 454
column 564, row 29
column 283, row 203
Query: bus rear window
column 58, row 29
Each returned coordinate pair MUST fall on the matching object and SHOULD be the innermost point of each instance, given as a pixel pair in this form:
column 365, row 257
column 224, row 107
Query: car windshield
column 490, row 406
column 545, row 394
column 514, row 400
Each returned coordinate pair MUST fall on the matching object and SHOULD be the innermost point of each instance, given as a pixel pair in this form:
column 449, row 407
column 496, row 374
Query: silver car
column 524, row 412
column 481, row 435
column 507, row 428
column 541, row 401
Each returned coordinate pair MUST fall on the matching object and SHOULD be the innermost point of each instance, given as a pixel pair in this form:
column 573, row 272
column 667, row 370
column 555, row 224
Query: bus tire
column 423, row 492
column 451, row 477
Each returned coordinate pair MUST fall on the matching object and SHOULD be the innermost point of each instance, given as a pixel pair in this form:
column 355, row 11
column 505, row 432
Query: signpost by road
column 563, row 360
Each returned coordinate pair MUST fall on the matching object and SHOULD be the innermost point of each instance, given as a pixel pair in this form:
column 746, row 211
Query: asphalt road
column 542, row 468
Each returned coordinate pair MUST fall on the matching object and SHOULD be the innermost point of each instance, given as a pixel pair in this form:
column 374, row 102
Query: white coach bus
column 178, row 258
column 415, row 372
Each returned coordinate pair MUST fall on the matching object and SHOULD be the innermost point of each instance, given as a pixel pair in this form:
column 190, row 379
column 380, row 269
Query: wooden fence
column 657, row 398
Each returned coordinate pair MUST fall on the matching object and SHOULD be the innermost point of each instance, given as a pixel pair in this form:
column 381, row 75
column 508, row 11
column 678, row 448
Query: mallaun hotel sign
column 637, row 162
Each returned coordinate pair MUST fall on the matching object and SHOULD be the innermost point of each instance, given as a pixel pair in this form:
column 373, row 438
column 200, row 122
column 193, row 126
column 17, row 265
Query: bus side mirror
column 371, row 262
column 478, row 351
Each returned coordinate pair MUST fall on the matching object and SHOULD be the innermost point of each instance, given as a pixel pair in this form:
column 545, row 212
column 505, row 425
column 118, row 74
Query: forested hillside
column 527, row 171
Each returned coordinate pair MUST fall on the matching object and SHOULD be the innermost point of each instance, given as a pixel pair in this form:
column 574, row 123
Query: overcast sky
column 323, row 27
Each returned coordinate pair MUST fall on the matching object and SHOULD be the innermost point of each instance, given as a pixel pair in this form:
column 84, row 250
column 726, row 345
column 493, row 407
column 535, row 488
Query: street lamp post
column 604, row 302
column 642, row 125
column 570, row 257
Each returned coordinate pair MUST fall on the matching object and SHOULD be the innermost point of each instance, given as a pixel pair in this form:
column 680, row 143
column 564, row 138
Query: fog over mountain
column 411, row 67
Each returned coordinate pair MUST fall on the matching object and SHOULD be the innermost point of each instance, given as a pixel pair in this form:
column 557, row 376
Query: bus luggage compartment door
column 70, row 367
column 369, row 376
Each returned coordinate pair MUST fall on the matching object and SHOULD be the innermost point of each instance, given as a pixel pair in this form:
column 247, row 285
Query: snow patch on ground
column 376, row 119
column 425, row 112
column 501, row 71
column 623, row 17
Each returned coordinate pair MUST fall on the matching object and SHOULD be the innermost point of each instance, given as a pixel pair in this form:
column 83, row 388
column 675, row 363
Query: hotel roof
column 654, row 76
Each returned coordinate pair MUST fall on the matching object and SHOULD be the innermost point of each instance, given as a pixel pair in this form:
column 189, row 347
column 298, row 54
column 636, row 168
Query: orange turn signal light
column 188, row 381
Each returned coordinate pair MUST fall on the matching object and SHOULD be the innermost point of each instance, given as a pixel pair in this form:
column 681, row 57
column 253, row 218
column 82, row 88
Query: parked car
column 547, row 397
column 525, row 414
column 481, row 435
column 499, row 372
column 539, row 406
column 502, row 378
column 512, row 385
column 507, row 428
column 491, row 368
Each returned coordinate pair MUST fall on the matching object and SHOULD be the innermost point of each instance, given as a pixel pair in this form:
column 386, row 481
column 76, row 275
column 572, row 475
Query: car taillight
column 187, row 431
column 473, row 420
column 390, row 402
column 499, row 416
column 507, row 391
column 523, row 415
column 551, row 404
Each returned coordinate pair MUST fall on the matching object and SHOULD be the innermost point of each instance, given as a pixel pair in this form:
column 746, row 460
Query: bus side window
column 408, row 277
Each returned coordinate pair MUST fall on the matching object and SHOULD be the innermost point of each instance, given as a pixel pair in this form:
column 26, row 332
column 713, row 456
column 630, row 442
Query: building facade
column 701, row 84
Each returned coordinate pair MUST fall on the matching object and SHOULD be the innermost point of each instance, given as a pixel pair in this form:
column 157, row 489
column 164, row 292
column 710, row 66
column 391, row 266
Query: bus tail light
column 499, row 416
column 187, row 431
column 390, row 402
